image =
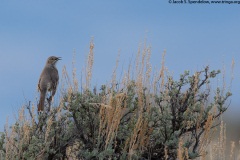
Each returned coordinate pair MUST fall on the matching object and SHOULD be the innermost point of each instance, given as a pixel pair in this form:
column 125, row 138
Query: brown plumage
column 48, row 81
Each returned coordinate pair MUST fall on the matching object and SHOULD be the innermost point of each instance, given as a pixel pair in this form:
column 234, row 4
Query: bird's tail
column 41, row 102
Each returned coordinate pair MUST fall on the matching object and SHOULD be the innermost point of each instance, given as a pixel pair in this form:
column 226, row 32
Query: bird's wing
column 54, row 78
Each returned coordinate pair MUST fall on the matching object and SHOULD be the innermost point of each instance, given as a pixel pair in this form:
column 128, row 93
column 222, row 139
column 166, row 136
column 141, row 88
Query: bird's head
column 53, row 60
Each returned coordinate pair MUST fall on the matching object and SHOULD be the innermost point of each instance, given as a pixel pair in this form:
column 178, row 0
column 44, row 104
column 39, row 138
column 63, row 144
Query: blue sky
column 193, row 35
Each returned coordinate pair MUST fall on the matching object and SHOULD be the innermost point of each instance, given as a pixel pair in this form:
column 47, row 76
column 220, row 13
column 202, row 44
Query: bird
column 48, row 81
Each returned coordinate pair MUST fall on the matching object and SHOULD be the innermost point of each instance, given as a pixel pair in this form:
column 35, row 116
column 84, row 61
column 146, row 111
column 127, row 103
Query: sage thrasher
column 48, row 81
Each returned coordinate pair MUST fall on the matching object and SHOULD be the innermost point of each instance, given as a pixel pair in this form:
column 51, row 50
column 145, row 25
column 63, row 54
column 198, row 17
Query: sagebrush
column 145, row 115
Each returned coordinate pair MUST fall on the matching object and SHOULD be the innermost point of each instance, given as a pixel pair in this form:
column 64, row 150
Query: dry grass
column 113, row 107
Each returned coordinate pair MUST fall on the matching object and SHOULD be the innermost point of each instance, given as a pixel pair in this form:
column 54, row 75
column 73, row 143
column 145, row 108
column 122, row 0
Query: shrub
column 143, row 116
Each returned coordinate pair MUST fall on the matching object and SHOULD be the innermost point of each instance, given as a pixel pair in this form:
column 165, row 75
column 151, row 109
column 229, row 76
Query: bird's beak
column 59, row 58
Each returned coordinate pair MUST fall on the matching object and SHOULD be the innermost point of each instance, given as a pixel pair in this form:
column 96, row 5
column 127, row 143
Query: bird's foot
column 49, row 103
column 49, row 99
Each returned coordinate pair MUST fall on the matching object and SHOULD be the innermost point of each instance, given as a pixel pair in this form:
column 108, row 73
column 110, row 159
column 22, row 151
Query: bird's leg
column 49, row 103
column 49, row 99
